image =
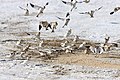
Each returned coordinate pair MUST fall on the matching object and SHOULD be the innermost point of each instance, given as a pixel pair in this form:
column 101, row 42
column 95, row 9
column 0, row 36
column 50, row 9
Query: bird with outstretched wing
column 26, row 10
column 39, row 8
column 91, row 13
column 115, row 10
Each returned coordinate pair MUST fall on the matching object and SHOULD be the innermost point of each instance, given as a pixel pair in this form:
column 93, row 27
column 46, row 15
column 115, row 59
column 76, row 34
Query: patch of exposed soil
column 88, row 60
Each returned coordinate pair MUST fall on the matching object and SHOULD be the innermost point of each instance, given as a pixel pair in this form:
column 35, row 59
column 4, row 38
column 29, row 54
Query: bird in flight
column 68, row 33
column 40, row 8
column 74, row 2
column 66, row 19
column 91, row 13
column 25, row 9
column 115, row 10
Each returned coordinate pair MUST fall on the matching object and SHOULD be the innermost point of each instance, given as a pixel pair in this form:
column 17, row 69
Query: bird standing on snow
column 41, row 9
column 98, row 50
column 91, row 13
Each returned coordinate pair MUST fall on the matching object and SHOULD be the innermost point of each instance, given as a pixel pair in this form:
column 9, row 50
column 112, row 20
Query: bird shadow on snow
column 114, row 23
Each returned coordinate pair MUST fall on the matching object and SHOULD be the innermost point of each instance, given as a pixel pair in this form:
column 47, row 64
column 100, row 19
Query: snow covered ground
column 17, row 70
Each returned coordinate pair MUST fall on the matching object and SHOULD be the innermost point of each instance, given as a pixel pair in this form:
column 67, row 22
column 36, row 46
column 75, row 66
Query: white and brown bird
column 53, row 25
column 44, row 24
column 115, row 10
column 91, row 13
column 40, row 8
column 26, row 10
column 66, row 19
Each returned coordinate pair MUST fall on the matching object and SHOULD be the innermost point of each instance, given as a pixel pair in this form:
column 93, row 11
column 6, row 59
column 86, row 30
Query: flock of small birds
column 66, row 19
column 66, row 46
column 43, row 49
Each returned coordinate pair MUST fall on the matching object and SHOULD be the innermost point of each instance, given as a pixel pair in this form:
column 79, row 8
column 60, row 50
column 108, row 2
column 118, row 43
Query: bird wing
column 79, row 2
column 60, row 18
column 22, row 8
column 86, row 1
column 35, row 6
column 116, row 9
column 68, row 3
column 83, row 13
column 47, row 3
column 71, row 0
column 68, row 14
column 98, row 8
column 111, row 13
